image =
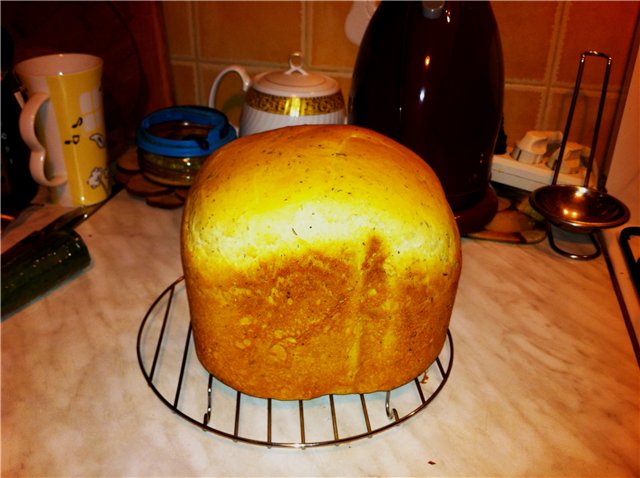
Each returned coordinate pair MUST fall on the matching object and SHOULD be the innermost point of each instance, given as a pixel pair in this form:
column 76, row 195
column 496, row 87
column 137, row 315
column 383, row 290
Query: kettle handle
column 237, row 69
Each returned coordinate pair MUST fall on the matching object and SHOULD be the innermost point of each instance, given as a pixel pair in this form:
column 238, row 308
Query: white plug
column 358, row 18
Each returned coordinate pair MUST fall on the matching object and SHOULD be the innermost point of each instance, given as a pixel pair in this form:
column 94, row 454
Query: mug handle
column 237, row 69
column 28, row 133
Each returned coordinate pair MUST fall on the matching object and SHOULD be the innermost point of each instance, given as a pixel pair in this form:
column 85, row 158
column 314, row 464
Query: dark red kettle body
column 433, row 80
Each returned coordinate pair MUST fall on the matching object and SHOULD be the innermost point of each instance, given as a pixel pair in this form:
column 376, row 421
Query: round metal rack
column 171, row 368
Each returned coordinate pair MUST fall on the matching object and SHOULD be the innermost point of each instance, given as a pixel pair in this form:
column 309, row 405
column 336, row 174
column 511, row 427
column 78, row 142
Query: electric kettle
column 430, row 75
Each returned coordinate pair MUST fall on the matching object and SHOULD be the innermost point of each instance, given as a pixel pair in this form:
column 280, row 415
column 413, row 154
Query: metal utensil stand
column 585, row 229
column 168, row 362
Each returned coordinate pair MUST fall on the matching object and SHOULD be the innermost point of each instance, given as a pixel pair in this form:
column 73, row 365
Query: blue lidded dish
column 174, row 142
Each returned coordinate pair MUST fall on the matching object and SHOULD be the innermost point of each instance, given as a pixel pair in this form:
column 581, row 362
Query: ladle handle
column 572, row 107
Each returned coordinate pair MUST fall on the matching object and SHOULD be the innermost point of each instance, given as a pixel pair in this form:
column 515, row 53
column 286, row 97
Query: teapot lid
column 295, row 81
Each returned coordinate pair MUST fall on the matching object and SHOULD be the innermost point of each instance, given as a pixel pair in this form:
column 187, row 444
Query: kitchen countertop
column 544, row 379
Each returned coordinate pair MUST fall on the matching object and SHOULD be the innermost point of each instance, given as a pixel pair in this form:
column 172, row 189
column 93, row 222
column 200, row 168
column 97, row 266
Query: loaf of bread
column 318, row 260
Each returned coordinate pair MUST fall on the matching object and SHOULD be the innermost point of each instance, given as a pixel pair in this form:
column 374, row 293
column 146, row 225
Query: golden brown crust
column 318, row 259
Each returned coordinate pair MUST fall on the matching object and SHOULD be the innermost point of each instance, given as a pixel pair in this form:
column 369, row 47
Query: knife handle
column 40, row 263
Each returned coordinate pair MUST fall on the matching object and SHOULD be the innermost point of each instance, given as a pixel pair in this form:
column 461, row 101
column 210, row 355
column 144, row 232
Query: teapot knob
column 295, row 64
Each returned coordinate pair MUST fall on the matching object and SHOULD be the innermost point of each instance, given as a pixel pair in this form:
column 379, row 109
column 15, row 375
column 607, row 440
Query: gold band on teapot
column 293, row 106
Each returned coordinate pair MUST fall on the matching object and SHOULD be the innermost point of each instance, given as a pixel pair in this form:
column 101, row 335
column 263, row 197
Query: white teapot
column 285, row 98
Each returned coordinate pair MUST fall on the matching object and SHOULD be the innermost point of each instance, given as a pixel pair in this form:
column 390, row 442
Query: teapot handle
column 241, row 72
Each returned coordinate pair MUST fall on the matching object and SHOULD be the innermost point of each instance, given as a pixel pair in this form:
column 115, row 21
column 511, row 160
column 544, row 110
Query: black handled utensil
column 44, row 259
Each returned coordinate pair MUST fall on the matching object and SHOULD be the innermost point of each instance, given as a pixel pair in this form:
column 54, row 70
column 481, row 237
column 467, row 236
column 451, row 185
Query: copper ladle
column 579, row 209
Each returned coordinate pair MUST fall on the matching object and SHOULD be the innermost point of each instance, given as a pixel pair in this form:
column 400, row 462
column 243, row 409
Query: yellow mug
column 62, row 122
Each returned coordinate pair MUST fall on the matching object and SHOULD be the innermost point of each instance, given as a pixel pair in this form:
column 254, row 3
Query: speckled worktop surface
column 544, row 380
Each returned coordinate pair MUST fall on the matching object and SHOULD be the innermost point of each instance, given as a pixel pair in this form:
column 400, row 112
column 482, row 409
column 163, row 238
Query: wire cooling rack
column 171, row 368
